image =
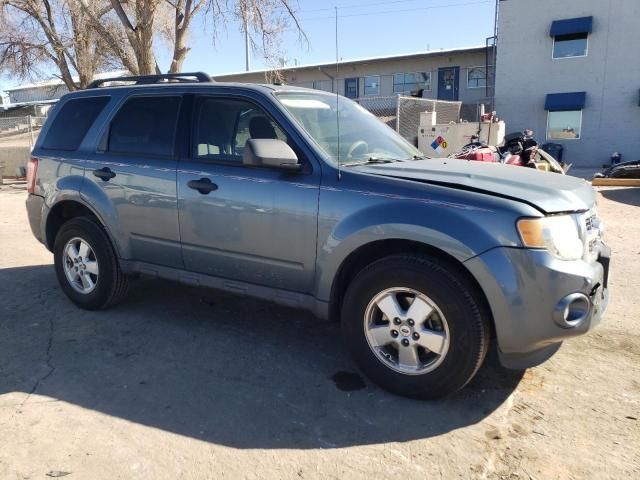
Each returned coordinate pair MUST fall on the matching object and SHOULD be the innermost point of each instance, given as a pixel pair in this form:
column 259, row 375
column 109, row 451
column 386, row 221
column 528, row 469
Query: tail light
column 32, row 173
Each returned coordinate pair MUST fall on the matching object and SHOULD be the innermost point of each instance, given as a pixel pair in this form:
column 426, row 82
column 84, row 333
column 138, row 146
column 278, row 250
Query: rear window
column 145, row 125
column 72, row 122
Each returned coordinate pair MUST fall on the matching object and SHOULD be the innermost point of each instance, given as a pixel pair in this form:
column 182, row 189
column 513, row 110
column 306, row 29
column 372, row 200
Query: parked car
column 258, row 190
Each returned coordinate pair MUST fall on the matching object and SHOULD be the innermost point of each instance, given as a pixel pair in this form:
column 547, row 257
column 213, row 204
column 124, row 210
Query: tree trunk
column 180, row 49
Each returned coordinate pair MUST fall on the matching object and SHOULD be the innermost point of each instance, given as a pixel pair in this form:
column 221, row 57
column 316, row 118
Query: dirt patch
column 179, row 382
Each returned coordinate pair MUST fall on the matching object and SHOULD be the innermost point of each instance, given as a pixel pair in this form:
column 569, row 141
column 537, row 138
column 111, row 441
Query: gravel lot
column 179, row 382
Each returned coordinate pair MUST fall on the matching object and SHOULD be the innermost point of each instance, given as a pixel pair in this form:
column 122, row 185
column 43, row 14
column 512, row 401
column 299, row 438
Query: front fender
column 453, row 228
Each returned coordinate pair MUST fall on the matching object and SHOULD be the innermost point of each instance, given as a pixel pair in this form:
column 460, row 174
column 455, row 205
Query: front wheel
column 415, row 325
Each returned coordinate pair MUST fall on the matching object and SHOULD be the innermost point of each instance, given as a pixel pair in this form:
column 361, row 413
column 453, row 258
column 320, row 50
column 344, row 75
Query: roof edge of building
column 358, row 60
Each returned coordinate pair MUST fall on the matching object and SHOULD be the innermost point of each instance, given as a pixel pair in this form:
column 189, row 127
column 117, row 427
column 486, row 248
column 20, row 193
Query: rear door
column 255, row 224
column 135, row 167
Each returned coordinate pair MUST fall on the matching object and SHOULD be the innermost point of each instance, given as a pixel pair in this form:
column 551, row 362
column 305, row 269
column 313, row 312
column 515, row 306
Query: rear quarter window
column 72, row 122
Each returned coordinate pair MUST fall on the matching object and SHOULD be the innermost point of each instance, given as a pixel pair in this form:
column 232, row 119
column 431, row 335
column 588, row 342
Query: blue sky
column 366, row 29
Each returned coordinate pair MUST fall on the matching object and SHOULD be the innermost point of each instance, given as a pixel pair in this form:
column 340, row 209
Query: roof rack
column 197, row 77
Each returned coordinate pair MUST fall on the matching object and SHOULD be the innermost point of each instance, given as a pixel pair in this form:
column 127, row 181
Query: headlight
column 559, row 234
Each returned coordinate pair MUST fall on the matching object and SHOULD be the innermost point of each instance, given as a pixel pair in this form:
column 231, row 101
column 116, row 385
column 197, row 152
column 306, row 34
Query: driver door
column 256, row 225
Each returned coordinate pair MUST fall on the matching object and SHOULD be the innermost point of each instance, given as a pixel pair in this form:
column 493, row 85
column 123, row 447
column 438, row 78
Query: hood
column 547, row 192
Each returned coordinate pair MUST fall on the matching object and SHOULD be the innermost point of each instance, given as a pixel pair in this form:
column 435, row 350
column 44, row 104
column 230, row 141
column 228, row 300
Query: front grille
column 590, row 221
column 591, row 235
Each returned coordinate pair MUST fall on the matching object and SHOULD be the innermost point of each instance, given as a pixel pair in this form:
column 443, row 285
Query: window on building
column 73, row 121
column 351, row 87
column 411, row 82
column 574, row 45
column 324, row 85
column 372, row 85
column 564, row 125
column 570, row 36
column 477, row 77
column 145, row 125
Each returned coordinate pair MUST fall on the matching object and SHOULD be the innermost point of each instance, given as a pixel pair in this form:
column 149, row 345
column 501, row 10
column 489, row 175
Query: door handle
column 204, row 185
column 105, row 173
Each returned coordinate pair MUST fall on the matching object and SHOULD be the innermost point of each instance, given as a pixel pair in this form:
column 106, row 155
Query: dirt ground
column 183, row 383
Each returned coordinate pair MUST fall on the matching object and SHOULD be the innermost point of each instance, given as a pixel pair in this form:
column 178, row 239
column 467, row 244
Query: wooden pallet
column 616, row 182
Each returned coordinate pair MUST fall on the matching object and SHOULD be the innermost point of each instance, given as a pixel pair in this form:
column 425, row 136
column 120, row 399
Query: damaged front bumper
column 537, row 300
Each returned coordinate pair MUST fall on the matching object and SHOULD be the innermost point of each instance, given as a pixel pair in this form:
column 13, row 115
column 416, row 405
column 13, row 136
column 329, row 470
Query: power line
column 382, row 12
column 368, row 4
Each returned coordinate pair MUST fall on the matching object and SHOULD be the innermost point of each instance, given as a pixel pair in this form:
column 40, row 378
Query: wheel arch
column 375, row 250
column 64, row 211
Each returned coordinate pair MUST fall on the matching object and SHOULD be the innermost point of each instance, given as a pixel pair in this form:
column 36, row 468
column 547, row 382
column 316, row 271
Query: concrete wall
column 428, row 62
column 609, row 74
column 11, row 158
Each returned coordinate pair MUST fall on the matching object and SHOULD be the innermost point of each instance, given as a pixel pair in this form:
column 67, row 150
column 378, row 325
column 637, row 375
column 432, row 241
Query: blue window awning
column 565, row 101
column 571, row 26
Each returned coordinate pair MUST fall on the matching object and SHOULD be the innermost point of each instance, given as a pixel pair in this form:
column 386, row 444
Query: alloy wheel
column 406, row 330
column 80, row 265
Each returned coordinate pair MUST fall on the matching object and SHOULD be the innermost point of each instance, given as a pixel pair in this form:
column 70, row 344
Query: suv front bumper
column 532, row 296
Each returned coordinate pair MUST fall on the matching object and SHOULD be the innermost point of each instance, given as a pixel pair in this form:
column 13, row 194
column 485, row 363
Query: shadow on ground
column 630, row 196
column 232, row 371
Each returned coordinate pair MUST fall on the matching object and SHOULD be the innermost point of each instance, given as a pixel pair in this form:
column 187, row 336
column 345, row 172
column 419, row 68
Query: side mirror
column 268, row 152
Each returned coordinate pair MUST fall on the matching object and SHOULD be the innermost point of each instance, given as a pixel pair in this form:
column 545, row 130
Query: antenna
column 337, row 98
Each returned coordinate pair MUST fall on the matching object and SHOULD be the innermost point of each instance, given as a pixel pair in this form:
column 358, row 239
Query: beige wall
column 11, row 158
column 430, row 62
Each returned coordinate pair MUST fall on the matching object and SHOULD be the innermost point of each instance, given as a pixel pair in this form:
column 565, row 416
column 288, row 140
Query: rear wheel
column 86, row 265
column 415, row 325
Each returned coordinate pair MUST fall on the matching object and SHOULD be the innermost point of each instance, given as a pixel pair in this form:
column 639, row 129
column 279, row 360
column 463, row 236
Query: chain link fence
column 13, row 127
column 403, row 113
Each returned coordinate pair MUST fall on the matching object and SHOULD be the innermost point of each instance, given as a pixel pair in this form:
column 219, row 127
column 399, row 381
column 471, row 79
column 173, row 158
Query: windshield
column 363, row 137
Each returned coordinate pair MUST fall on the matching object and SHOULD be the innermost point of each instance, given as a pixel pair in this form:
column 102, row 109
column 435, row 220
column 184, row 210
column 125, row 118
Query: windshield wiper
column 420, row 157
column 373, row 160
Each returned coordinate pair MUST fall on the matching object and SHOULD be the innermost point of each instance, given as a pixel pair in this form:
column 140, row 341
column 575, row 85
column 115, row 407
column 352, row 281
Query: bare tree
column 143, row 21
column 38, row 34
column 85, row 36
column 184, row 12
column 265, row 21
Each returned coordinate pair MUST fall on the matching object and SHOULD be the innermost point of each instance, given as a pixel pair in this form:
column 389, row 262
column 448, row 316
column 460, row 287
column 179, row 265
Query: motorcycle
column 519, row 149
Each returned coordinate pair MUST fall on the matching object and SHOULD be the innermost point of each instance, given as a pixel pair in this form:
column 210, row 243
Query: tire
column 110, row 284
column 457, row 325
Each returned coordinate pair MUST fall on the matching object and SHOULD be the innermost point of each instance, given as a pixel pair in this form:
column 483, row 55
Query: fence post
column 398, row 113
column 30, row 131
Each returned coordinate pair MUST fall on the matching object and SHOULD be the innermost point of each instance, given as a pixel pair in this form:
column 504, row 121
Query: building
column 456, row 74
column 39, row 92
column 570, row 70
column 41, row 95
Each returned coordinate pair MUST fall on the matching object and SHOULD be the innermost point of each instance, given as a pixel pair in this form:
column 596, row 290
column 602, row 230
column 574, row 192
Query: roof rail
column 197, row 77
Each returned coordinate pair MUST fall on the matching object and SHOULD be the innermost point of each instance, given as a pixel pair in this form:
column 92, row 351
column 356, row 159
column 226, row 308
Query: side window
column 145, row 125
column 254, row 123
column 222, row 128
column 72, row 122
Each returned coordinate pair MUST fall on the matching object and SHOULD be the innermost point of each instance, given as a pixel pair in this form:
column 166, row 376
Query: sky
column 365, row 29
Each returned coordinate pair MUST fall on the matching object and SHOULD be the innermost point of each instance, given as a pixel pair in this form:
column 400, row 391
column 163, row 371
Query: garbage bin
column 554, row 149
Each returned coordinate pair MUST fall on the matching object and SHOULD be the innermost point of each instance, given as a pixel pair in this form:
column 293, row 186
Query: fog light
column 572, row 310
